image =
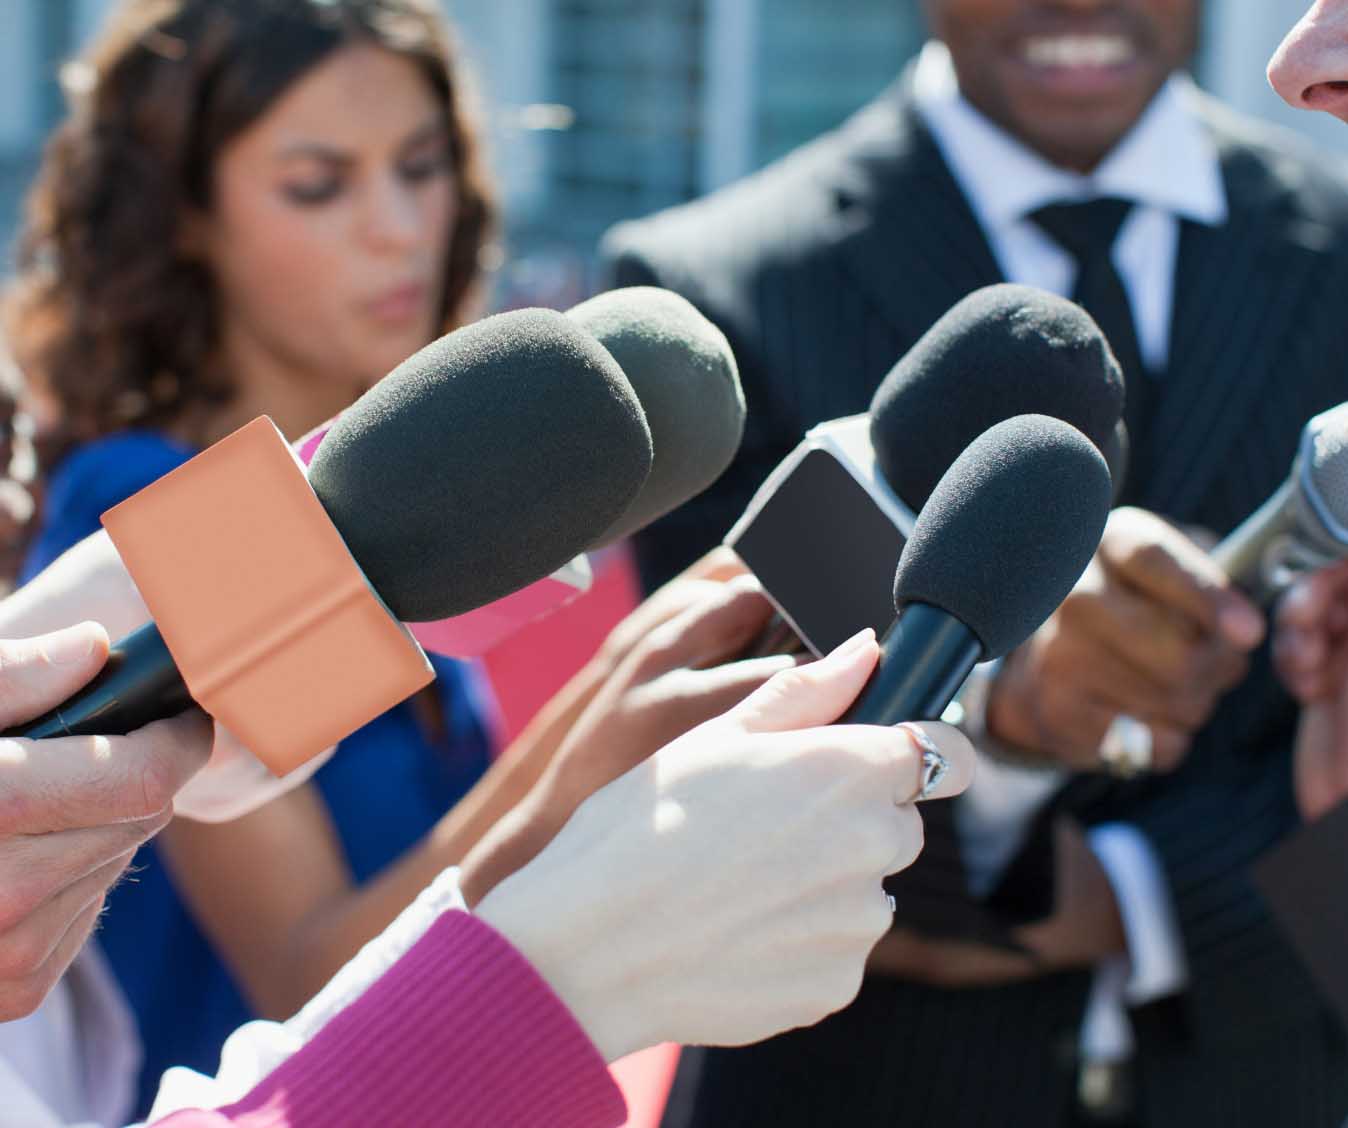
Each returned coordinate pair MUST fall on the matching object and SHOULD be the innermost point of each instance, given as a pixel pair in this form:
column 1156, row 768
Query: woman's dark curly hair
column 105, row 315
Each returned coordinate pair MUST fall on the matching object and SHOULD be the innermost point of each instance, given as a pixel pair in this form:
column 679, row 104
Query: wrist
column 1005, row 720
column 510, row 845
column 575, row 953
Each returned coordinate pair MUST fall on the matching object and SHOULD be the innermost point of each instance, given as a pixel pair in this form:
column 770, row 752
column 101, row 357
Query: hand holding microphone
column 680, row 369
column 72, row 811
column 995, row 549
column 729, row 887
column 1134, row 663
column 480, row 465
column 677, row 671
column 1293, row 546
column 1154, row 631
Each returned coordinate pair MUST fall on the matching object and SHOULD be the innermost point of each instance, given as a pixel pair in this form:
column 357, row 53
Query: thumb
column 37, row 674
column 812, row 695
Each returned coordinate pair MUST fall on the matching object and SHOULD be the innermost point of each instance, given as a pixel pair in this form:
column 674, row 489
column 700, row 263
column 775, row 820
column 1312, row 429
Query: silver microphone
column 1302, row 527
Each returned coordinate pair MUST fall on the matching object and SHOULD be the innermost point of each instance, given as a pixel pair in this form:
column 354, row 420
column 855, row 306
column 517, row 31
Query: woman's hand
column 729, row 887
column 671, row 678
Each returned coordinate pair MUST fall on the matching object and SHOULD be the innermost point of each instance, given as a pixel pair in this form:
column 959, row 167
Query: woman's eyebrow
column 317, row 150
column 314, row 150
column 433, row 130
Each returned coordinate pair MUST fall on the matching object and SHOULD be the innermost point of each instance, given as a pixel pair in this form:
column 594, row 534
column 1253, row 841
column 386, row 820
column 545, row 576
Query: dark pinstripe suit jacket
column 823, row 270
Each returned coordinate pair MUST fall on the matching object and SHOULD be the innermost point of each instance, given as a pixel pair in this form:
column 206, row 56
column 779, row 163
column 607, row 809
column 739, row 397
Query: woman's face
column 329, row 228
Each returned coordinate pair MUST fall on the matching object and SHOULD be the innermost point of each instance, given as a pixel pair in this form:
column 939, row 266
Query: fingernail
column 772, row 664
column 857, row 642
column 74, row 644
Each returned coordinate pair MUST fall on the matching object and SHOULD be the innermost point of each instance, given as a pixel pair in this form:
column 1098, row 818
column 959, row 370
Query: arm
column 284, row 930
column 731, row 956
column 461, row 1000
column 1153, row 631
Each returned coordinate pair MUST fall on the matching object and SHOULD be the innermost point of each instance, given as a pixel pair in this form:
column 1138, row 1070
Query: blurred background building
column 605, row 109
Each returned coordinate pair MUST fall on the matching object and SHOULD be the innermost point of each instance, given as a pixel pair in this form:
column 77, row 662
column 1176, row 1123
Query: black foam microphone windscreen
column 824, row 533
column 1003, row 351
column 483, row 463
column 1003, row 538
column 1008, row 530
column 480, row 465
column 683, row 372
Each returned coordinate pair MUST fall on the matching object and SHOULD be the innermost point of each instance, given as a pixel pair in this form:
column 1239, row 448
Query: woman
column 254, row 206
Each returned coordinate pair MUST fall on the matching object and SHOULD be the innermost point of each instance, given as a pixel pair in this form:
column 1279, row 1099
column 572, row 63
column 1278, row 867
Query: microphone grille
column 1328, row 461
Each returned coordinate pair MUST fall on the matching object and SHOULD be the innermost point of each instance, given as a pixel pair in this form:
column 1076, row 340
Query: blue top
column 386, row 786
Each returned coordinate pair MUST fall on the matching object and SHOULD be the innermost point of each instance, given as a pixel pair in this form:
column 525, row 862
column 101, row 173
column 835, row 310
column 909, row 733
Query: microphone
column 480, row 465
column 476, row 632
column 1003, row 351
column 684, row 375
column 1304, row 525
column 1007, row 532
column 485, row 462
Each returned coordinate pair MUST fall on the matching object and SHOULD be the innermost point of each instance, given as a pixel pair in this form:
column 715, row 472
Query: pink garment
column 461, row 1032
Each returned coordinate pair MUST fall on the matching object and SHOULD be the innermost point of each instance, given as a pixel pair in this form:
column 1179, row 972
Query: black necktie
column 1087, row 232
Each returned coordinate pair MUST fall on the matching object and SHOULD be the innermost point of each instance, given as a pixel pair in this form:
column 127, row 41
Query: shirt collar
column 1007, row 181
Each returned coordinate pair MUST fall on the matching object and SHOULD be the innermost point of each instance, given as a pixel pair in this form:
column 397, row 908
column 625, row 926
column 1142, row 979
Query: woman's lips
column 399, row 305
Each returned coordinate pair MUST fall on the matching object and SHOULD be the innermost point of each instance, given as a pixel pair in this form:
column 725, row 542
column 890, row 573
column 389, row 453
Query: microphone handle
column 924, row 659
column 1249, row 554
column 139, row 684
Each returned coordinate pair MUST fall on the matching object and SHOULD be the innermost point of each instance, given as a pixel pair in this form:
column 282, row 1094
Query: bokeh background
column 606, row 109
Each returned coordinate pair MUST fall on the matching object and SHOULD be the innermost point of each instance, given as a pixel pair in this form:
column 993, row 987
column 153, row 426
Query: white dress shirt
column 73, row 1061
column 1169, row 167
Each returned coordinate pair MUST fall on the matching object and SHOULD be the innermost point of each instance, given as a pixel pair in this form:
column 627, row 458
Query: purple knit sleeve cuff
column 460, row 1032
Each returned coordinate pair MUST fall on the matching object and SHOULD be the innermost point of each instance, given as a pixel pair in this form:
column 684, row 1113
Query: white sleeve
column 993, row 817
column 256, row 1049
column 1157, row 966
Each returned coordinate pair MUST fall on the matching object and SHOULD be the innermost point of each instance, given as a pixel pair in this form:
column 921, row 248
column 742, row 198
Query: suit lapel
column 900, row 216
column 1238, row 292
column 904, row 230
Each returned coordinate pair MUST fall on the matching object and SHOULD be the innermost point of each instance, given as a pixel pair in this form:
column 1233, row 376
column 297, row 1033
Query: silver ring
column 935, row 767
column 893, row 904
column 1126, row 750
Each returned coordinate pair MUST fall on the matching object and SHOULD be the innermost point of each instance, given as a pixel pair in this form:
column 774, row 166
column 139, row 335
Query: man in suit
column 1214, row 252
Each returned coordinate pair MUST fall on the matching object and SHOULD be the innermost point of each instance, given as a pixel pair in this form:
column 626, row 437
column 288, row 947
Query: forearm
column 518, row 769
column 324, row 926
